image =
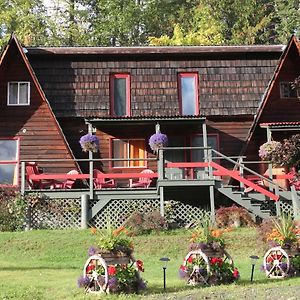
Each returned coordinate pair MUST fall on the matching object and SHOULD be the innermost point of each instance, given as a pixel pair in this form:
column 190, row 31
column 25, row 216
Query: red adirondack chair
column 32, row 168
column 100, row 183
column 142, row 181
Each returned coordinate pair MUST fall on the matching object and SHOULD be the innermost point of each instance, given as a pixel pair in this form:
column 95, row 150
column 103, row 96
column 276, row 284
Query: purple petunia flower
column 113, row 284
column 92, row 251
column 142, row 284
column 89, row 142
column 83, row 281
column 157, row 141
column 182, row 274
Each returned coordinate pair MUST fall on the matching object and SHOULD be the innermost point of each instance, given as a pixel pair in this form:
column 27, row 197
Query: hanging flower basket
column 89, row 142
column 158, row 141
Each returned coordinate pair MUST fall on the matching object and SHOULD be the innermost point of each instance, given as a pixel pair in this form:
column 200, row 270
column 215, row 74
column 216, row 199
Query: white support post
column 22, row 177
column 212, row 204
column 161, row 198
column 91, row 166
column 295, row 202
column 84, row 211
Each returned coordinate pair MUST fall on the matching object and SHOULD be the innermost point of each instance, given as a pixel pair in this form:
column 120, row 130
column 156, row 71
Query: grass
column 46, row 264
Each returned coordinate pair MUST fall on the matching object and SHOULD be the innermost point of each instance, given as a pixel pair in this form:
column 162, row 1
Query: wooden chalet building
column 216, row 96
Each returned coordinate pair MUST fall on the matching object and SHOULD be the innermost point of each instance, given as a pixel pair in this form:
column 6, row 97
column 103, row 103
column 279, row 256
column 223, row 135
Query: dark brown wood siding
column 277, row 109
column 40, row 137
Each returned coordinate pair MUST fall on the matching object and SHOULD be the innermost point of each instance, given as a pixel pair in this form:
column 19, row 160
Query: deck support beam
column 295, row 202
column 84, row 211
column 161, row 202
column 212, row 204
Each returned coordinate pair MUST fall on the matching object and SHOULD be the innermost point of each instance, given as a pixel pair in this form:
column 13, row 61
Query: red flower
column 111, row 270
column 183, row 268
column 216, row 260
column 236, row 273
column 190, row 259
column 140, row 265
column 90, row 268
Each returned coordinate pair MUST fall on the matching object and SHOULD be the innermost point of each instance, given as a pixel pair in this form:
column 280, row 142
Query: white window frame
column 18, row 99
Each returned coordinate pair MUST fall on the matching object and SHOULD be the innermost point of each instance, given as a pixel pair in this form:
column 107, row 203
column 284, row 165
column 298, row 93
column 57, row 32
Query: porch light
column 164, row 261
column 254, row 259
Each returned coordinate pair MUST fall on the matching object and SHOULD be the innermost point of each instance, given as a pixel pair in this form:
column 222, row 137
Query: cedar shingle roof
column 232, row 79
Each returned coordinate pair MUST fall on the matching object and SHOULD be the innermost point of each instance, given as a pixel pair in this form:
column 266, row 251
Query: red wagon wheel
column 276, row 263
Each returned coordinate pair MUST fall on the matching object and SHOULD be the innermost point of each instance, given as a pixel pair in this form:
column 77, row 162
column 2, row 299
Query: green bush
column 13, row 208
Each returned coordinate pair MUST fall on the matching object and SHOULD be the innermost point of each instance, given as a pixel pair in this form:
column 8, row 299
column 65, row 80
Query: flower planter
column 208, row 267
column 115, row 258
column 278, row 262
column 101, row 271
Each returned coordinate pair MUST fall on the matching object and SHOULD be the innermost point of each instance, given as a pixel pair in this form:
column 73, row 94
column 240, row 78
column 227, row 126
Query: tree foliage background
column 149, row 22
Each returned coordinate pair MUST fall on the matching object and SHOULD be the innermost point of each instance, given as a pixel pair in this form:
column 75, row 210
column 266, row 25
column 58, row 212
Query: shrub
column 233, row 216
column 13, row 208
column 145, row 222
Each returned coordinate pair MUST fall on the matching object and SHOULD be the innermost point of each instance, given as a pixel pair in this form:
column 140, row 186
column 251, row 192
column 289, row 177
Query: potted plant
column 89, row 142
column 207, row 261
column 111, row 267
column 281, row 259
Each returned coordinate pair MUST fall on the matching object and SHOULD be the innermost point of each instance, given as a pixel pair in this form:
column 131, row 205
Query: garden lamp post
column 164, row 261
column 254, row 259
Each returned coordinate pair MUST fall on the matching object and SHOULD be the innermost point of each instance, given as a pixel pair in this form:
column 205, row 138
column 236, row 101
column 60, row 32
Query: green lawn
column 46, row 264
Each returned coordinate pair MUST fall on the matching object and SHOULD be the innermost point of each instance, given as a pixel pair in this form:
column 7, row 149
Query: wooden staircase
column 254, row 206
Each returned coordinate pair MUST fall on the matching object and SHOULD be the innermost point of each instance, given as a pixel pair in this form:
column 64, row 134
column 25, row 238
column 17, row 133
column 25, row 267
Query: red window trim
column 196, row 79
column 111, row 92
column 17, row 161
column 124, row 168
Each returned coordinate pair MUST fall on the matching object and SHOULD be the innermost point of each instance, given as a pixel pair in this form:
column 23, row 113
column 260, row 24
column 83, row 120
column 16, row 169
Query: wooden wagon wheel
column 276, row 263
column 93, row 263
column 201, row 268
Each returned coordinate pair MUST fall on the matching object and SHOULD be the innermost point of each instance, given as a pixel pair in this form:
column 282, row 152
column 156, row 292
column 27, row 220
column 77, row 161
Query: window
column 188, row 93
column 120, row 95
column 286, row 90
column 126, row 149
column 9, row 164
column 197, row 141
column 18, row 93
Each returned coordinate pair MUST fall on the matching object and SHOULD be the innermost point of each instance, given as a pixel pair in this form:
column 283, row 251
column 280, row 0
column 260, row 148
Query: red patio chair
column 142, row 181
column 67, row 184
column 32, row 168
column 100, row 183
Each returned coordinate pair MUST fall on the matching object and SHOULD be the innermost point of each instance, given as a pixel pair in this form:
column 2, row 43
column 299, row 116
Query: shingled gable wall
column 274, row 108
column 35, row 125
